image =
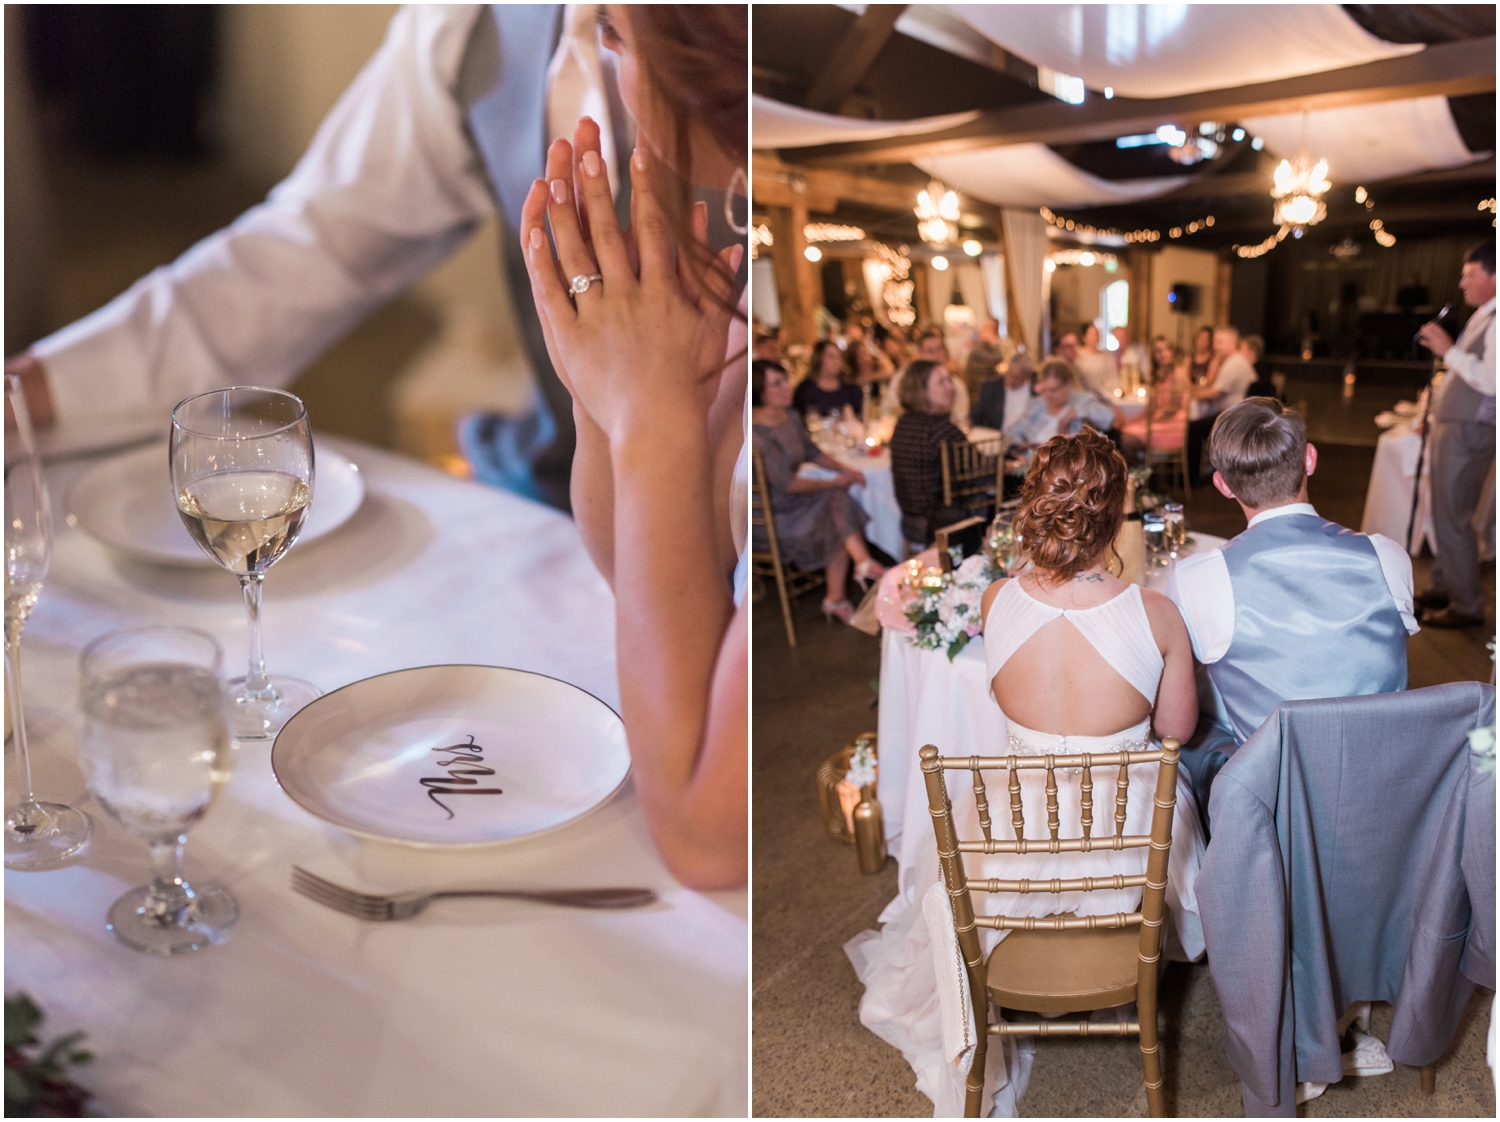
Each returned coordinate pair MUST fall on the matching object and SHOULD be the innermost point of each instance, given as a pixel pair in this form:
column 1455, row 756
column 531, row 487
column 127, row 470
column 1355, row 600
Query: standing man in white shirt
column 1462, row 440
column 1295, row 607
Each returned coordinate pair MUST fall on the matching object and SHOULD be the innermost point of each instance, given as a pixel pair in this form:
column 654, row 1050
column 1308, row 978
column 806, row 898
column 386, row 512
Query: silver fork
column 368, row 906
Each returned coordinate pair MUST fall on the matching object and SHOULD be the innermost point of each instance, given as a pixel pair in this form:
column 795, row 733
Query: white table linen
column 876, row 497
column 474, row 1008
column 1388, row 500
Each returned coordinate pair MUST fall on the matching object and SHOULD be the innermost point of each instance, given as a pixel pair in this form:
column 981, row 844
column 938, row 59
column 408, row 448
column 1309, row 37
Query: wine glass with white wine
column 242, row 471
column 38, row 835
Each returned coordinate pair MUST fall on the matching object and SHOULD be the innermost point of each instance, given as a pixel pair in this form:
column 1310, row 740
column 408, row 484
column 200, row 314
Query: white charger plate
column 452, row 755
column 126, row 502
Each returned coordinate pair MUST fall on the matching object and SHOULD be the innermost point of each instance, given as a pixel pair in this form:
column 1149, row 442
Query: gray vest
column 1456, row 400
column 1313, row 618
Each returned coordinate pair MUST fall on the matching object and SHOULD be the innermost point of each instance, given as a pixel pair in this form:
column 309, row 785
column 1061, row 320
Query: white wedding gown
column 896, row 964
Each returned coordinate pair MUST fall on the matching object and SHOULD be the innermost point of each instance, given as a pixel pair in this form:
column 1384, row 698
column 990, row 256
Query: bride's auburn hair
column 1072, row 504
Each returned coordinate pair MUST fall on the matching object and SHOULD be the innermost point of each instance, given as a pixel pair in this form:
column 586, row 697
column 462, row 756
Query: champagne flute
column 155, row 748
column 242, row 471
column 1174, row 528
column 38, row 835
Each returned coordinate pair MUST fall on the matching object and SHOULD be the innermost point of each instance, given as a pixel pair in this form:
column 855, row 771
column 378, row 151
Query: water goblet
column 242, row 471
column 38, row 835
column 155, row 748
column 1155, row 531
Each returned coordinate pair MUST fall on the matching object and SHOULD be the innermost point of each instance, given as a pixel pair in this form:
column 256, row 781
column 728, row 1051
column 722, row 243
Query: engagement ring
column 581, row 282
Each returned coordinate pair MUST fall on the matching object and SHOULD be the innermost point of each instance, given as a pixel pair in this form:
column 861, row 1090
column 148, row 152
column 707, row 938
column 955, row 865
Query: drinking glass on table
column 242, row 470
column 1155, row 528
column 38, row 835
column 155, row 748
column 1174, row 528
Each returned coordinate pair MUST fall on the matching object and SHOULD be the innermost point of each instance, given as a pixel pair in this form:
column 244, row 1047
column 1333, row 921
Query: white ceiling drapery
column 1159, row 50
column 1367, row 143
column 775, row 124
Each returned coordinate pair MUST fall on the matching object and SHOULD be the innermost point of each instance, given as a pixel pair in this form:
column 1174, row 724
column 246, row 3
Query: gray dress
column 810, row 526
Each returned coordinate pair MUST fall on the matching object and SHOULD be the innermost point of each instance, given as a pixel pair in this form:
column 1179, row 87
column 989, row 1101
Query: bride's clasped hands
column 634, row 334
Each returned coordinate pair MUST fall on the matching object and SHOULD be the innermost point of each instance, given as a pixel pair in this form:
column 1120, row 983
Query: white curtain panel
column 992, row 271
column 1025, row 251
column 1367, row 143
column 875, row 286
column 1158, row 50
column 939, row 292
column 775, row 124
column 970, row 283
column 1034, row 175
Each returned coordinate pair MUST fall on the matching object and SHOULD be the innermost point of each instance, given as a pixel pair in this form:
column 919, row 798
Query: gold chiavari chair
column 1066, row 963
column 790, row 582
column 973, row 472
column 1166, row 435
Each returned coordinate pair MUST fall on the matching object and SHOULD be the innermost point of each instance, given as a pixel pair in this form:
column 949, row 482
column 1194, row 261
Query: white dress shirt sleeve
column 1201, row 589
column 1477, row 370
column 1395, row 563
column 389, row 188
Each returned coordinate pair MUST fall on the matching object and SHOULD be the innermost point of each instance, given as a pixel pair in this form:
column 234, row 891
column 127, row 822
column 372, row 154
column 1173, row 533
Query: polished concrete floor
column 811, row 1056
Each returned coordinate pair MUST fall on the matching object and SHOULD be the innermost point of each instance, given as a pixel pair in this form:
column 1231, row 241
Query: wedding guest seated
column 1096, row 368
column 1081, row 661
column 932, row 348
column 866, row 364
column 1167, row 362
column 1295, row 607
column 818, row 524
column 1060, row 408
column 1066, row 347
column 1252, row 350
column 1005, row 400
column 768, row 345
column 1130, row 354
column 916, row 468
column 1202, row 358
column 984, row 358
column 827, row 389
column 1228, row 381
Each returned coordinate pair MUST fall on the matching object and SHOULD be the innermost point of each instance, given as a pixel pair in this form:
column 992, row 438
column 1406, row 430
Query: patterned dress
column 810, row 526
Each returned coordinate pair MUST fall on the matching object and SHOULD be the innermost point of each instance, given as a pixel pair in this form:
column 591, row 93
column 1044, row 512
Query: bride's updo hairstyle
column 1072, row 504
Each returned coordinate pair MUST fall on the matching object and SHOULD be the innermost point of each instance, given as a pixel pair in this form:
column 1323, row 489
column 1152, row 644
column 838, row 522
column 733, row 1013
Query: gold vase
column 869, row 831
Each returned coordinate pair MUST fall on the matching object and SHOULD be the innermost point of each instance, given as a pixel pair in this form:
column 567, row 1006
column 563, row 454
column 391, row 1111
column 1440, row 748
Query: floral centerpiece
column 946, row 608
column 1145, row 500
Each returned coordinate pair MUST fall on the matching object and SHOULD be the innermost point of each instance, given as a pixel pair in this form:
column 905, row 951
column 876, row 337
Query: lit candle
column 1119, row 392
column 1140, row 392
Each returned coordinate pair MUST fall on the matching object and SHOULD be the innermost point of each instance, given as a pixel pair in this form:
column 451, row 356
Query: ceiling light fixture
column 937, row 212
column 1299, row 188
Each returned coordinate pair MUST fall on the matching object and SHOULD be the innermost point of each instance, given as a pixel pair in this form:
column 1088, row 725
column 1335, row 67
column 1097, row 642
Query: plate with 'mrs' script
column 126, row 502
column 452, row 755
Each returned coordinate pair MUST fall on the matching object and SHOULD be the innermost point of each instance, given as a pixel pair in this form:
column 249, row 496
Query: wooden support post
column 794, row 279
column 1223, row 273
column 1138, row 260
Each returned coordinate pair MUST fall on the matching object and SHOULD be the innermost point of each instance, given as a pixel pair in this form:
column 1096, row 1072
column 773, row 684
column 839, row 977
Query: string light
column 760, row 236
column 1133, row 237
column 1489, row 205
column 832, row 232
column 1382, row 235
column 1260, row 250
column 896, row 289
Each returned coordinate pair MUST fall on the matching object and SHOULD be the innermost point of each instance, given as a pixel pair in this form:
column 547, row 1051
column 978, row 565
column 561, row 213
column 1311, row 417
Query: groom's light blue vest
column 1313, row 618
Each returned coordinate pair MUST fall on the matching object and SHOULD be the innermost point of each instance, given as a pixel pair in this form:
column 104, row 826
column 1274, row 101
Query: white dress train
column 900, row 1003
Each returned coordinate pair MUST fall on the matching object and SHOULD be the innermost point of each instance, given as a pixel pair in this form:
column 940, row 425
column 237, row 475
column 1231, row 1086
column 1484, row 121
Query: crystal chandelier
column 1299, row 189
column 937, row 214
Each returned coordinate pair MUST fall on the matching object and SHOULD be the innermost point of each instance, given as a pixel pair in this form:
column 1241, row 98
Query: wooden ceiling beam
column 851, row 59
column 1444, row 69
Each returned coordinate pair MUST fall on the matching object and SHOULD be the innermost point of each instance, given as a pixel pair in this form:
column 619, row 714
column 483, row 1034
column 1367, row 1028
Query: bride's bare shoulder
column 1165, row 619
column 989, row 596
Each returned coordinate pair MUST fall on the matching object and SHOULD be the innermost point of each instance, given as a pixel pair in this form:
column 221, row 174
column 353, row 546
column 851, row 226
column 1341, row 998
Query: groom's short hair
column 1260, row 448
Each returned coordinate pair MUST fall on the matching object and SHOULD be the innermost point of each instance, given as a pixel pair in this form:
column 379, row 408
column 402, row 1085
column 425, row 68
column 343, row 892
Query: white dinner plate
column 452, row 755
column 126, row 502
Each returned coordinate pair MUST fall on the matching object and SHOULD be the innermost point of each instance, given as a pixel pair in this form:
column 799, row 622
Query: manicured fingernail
column 736, row 255
column 638, row 159
column 592, row 164
column 559, row 191
column 538, row 239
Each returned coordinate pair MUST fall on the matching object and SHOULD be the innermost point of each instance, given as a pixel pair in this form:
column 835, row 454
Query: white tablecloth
column 876, row 497
column 1388, row 501
column 473, row 1008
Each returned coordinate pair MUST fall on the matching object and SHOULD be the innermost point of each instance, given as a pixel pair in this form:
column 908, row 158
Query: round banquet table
column 474, row 1008
column 1388, row 501
column 926, row 699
